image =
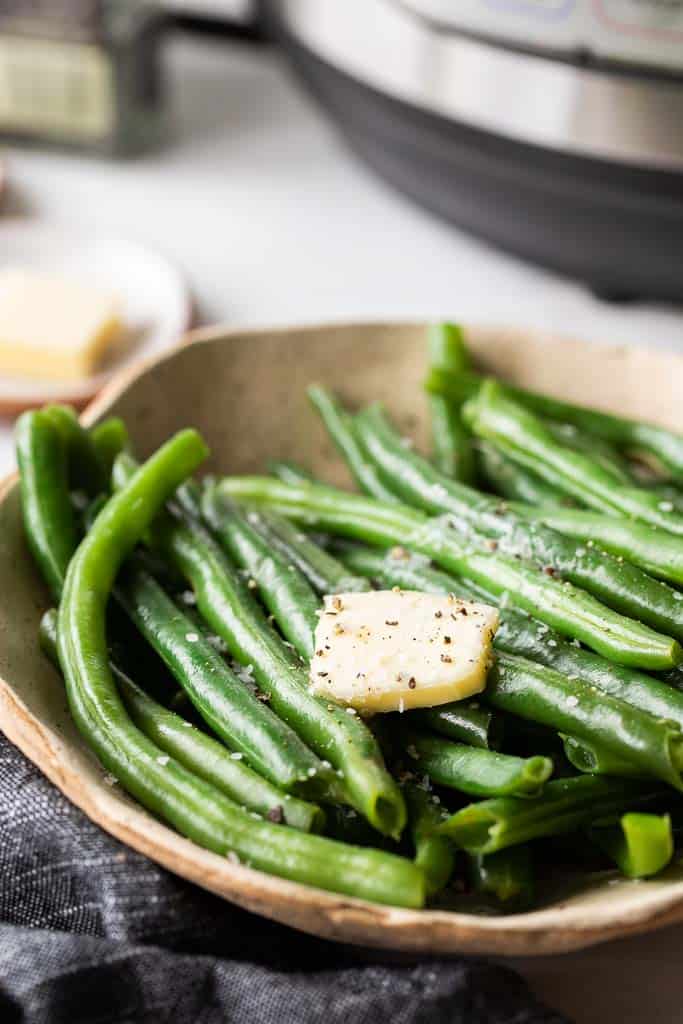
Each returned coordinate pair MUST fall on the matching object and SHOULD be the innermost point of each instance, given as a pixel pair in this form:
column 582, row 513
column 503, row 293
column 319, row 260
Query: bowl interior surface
column 245, row 391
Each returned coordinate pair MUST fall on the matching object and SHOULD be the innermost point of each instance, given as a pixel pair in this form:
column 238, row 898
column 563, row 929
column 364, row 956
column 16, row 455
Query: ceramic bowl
column 245, row 390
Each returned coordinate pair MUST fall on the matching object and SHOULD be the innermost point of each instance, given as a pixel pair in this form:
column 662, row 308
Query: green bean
column 326, row 574
column 522, row 436
column 86, row 470
column 231, row 612
column 474, row 771
column 463, row 721
column 654, row 550
column 665, row 445
column 201, row 754
column 286, row 593
column 506, row 478
column 48, row 515
column 110, row 437
column 565, row 805
column 521, row 635
column 447, row 347
column 434, row 854
column 595, row 759
column 541, row 694
column 603, row 452
column 288, row 472
column 188, row 497
column 569, row 610
column 478, row 518
column 452, row 445
column 225, row 703
column 641, row 845
column 161, row 784
column 340, row 427
column 507, row 875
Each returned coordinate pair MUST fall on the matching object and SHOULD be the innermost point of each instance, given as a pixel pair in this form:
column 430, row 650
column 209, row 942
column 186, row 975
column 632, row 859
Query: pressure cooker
column 551, row 128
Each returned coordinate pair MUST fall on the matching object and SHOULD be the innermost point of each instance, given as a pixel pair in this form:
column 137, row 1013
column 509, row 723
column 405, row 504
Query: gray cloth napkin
column 93, row 933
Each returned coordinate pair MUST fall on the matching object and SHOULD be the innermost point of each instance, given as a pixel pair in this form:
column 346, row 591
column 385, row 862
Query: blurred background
column 164, row 165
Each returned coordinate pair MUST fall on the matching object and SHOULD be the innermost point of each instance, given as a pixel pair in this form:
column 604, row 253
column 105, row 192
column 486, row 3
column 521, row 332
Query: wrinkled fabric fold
column 94, row 933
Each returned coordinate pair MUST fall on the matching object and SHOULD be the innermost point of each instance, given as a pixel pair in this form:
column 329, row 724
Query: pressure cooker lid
column 633, row 118
column 628, row 32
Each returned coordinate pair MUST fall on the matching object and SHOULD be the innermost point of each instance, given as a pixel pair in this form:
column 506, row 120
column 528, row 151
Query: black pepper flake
column 447, row 658
column 391, row 622
column 549, row 570
column 319, row 653
column 276, row 815
column 446, row 639
column 438, row 615
column 323, row 674
column 412, row 683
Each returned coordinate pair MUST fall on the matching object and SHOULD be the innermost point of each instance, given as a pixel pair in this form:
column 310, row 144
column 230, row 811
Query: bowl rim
column 556, row 928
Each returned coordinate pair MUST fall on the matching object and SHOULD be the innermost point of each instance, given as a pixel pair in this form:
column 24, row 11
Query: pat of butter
column 391, row 650
column 52, row 326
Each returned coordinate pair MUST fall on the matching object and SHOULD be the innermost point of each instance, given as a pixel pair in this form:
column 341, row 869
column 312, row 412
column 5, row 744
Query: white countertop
column 275, row 222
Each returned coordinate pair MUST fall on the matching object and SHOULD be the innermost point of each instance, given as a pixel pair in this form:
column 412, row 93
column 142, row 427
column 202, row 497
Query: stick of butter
column 391, row 650
column 52, row 326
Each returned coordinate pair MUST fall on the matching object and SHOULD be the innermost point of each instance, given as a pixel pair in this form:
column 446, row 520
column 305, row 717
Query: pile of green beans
column 527, row 503
column 523, row 437
column 162, row 781
column 571, row 611
column 628, row 435
column 618, row 584
column 517, row 635
column 199, row 752
column 341, row 741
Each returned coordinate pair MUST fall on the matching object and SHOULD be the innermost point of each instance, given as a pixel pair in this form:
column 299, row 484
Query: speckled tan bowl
column 245, row 391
